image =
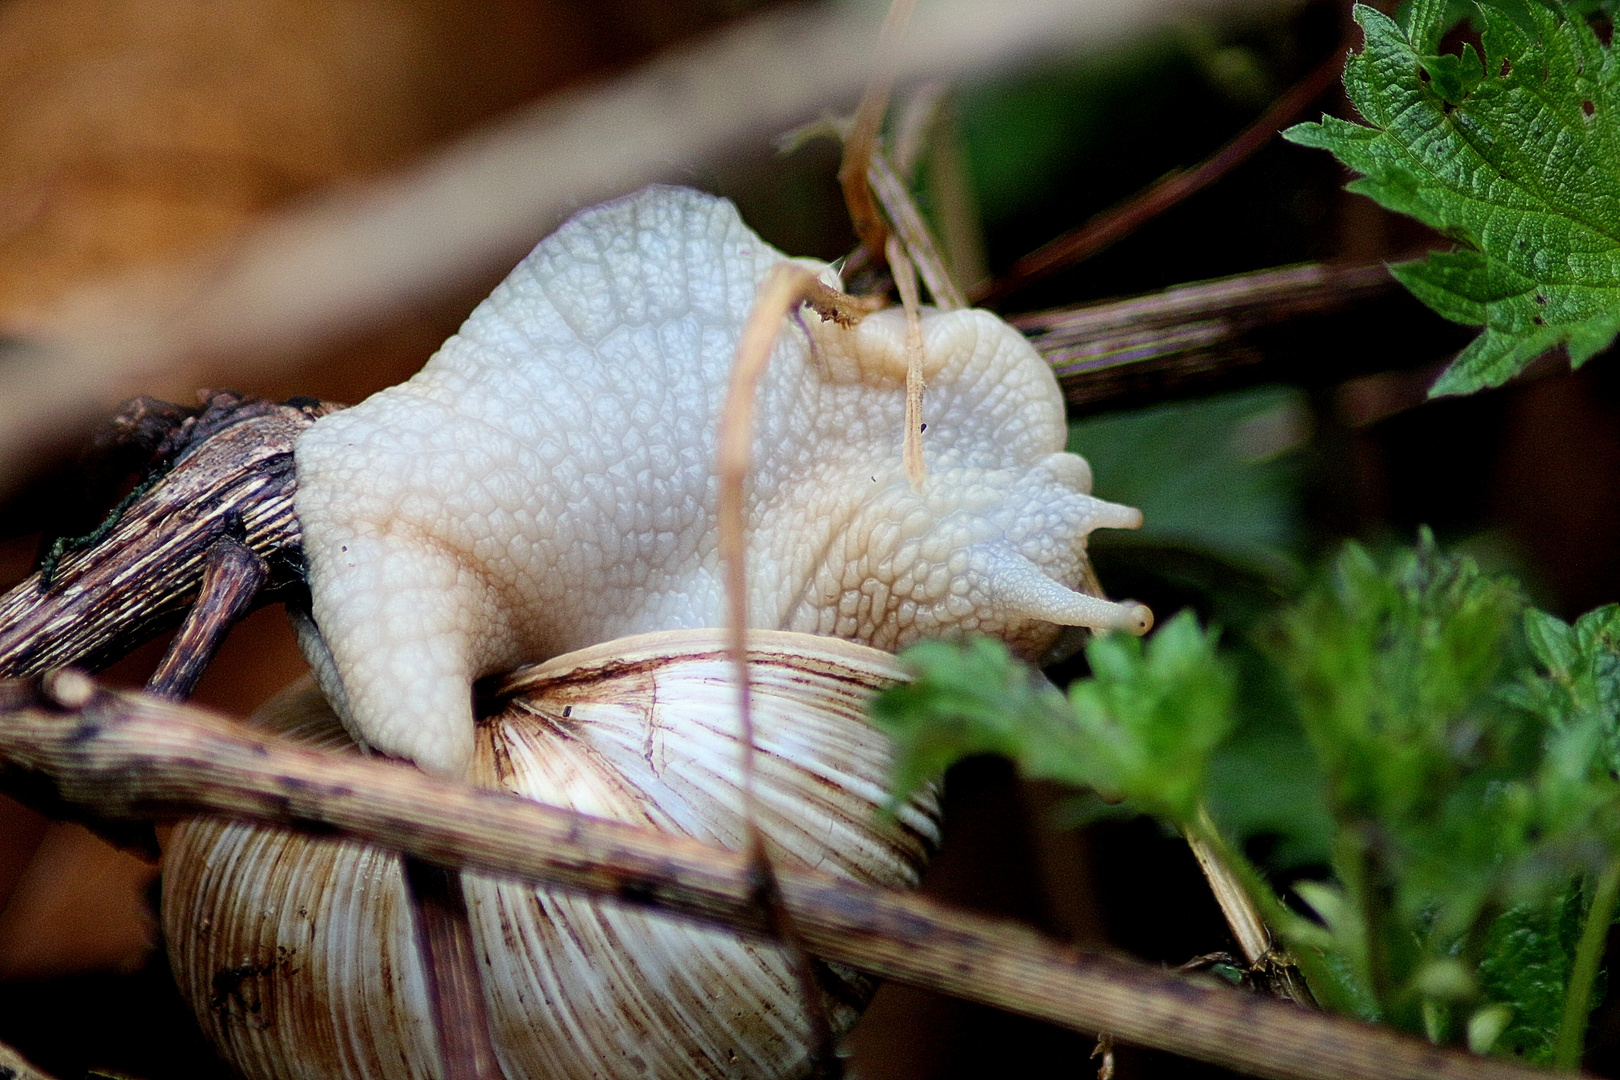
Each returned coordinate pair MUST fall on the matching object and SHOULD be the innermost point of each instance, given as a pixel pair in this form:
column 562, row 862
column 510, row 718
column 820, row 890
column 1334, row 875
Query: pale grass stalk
column 14, row 1066
column 861, row 143
column 783, row 290
column 913, row 229
column 905, row 280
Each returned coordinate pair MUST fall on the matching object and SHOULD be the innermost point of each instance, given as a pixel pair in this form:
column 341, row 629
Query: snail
column 543, row 492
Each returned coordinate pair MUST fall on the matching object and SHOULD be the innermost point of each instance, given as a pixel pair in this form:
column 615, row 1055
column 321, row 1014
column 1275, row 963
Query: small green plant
column 1464, row 749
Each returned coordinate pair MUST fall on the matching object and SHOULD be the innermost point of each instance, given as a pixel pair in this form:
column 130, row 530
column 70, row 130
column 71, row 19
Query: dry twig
column 455, row 995
column 1194, row 336
column 1119, row 221
column 232, row 478
column 860, row 145
column 918, row 238
column 76, row 750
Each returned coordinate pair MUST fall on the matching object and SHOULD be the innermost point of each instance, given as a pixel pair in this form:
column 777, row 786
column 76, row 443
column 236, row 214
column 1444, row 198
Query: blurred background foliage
column 132, row 131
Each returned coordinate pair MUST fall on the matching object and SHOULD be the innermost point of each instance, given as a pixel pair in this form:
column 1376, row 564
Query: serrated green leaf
column 1141, row 728
column 1552, row 642
column 1518, row 161
column 971, row 698
column 1526, row 967
column 1577, row 692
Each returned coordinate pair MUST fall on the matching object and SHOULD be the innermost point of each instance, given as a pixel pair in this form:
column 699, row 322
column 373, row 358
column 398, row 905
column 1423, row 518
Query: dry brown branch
column 233, row 479
column 347, row 262
column 13, row 1066
column 1195, row 336
column 455, row 996
column 232, row 576
column 72, row 748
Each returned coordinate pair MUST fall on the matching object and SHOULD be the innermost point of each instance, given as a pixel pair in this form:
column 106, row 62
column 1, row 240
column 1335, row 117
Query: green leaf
column 1454, row 77
column 1151, row 716
column 1213, row 476
column 1577, row 690
column 1387, row 664
column 970, row 698
column 1528, row 957
column 1518, row 161
column 1141, row 728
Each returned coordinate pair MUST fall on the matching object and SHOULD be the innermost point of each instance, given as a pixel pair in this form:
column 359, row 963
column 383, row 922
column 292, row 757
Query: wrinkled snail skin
column 546, row 482
column 544, row 490
column 298, row 956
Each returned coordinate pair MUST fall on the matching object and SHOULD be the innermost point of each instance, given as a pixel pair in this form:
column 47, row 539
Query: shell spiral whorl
column 298, row 954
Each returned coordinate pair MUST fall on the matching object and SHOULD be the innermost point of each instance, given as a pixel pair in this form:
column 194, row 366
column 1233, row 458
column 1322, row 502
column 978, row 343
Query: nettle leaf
column 1141, row 728
column 1389, row 664
column 971, row 697
column 1517, row 158
column 1577, row 690
column 1528, row 957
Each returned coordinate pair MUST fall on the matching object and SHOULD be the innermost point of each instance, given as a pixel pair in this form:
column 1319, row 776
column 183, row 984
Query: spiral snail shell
column 544, row 491
column 298, row 954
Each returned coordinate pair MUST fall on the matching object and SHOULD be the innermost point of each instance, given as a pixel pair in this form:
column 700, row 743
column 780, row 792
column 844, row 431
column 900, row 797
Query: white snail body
column 546, row 482
column 546, row 485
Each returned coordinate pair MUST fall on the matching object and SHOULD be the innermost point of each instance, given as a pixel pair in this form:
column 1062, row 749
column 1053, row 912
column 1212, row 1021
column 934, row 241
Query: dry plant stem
column 915, row 123
column 861, row 144
column 905, row 281
column 1270, row 966
column 783, row 290
column 1119, row 221
column 1189, row 336
column 1245, row 923
column 232, row 576
column 13, row 1066
column 919, row 240
column 444, row 938
column 68, row 747
column 235, row 479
